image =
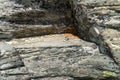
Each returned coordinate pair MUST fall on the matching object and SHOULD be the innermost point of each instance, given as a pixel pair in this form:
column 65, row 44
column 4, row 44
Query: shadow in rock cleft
column 39, row 17
column 46, row 12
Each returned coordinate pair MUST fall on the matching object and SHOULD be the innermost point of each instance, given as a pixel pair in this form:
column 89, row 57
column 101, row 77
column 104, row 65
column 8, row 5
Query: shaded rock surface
column 18, row 19
column 34, row 53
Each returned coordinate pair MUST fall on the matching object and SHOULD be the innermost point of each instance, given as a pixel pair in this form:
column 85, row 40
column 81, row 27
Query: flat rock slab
column 61, row 55
column 56, row 40
column 56, row 78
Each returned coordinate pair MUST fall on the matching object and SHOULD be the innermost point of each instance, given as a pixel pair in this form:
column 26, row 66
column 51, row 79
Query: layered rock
column 27, row 18
column 34, row 56
column 62, row 57
column 9, row 57
column 98, row 21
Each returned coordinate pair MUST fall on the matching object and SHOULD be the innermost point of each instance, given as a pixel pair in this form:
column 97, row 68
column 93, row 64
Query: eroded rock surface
column 98, row 21
column 9, row 57
column 34, row 53
column 47, row 58
column 24, row 19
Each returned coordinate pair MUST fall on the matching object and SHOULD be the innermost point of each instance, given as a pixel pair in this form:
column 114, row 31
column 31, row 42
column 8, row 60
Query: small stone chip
column 94, row 31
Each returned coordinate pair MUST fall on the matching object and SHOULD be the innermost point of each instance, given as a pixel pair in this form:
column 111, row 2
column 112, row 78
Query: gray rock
column 6, row 49
column 22, row 19
column 56, row 78
column 59, row 56
column 44, row 58
column 91, row 14
column 8, row 57
column 112, row 38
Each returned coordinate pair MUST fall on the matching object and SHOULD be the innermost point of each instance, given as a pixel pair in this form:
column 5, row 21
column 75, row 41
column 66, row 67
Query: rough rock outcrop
column 58, row 56
column 98, row 21
column 24, row 19
column 34, row 53
column 9, row 57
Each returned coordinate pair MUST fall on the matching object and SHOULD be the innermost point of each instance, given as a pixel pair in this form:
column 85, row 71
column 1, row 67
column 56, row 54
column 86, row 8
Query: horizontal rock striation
column 25, row 18
column 76, row 59
column 42, row 44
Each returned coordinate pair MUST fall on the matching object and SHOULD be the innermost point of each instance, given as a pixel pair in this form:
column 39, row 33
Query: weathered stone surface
column 59, row 56
column 95, row 13
column 112, row 38
column 98, row 21
column 6, row 49
column 56, row 40
column 56, row 78
column 56, row 56
column 19, row 20
column 9, row 57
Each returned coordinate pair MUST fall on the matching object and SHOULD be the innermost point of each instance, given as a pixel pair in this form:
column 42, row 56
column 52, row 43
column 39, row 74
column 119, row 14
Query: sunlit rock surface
column 59, row 57
column 59, row 40
column 9, row 57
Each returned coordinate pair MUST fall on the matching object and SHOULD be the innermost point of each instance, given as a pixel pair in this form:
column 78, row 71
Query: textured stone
column 56, row 40
column 61, row 55
column 24, row 20
column 8, row 57
column 98, row 21
column 6, row 49
column 112, row 38
column 56, row 78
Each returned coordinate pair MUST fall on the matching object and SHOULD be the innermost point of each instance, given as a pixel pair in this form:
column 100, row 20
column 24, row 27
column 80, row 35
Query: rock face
column 24, row 19
column 9, row 57
column 55, row 57
column 98, row 21
column 42, row 42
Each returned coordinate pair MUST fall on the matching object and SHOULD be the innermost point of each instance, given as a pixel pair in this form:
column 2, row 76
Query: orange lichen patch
column 69, row 35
